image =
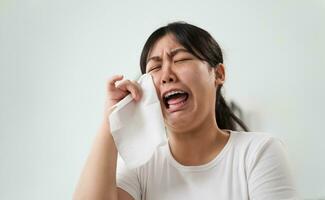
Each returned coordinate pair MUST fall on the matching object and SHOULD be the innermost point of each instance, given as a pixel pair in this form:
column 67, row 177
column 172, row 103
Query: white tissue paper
column 138, row 127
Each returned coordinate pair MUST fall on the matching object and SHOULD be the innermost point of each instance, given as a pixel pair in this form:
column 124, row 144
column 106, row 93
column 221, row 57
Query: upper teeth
column 173, row 92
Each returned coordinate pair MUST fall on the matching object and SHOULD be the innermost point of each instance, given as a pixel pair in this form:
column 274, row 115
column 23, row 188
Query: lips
column 175, row 99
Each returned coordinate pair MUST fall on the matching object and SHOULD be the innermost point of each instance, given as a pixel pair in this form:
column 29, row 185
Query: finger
column 129, row 86
column 139, row 89
column 111, row 81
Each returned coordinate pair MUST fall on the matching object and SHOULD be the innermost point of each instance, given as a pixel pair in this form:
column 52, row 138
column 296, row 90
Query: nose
column 168, row 76
column 170, row 79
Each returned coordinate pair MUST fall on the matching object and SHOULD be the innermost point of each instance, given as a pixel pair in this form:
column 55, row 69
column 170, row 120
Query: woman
column 206, row 158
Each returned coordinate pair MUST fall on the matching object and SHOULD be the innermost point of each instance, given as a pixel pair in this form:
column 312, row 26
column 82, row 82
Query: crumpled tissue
column 138, row 128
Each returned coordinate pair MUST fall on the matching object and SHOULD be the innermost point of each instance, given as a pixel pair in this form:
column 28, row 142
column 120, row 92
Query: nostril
column 169, row 80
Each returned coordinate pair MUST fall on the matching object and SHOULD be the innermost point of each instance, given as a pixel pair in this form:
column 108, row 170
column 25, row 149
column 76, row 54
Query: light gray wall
column 55, row 58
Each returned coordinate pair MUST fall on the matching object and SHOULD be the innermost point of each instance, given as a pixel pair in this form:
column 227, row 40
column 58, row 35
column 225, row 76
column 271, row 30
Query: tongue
column 176, row 100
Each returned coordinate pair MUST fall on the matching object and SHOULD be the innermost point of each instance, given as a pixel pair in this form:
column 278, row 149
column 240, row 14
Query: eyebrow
column 172, row 54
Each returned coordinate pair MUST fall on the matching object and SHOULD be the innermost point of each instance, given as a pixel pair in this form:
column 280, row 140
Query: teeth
column 173, row 92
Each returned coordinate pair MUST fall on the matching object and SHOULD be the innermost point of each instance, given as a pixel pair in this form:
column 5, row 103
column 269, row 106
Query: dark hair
column 202, row 45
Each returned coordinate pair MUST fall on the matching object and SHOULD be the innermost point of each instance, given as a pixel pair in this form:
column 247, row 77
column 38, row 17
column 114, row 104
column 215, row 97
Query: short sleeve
column 127, row 179
column 269, row 174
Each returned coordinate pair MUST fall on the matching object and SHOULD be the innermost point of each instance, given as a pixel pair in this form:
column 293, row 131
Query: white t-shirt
column 252, row 166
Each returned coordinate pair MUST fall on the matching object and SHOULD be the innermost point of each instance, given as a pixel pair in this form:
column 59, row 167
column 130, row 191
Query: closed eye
column 155, row 68
column 185, row 59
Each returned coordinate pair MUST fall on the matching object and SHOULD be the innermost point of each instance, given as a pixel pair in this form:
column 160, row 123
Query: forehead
column 166, row 43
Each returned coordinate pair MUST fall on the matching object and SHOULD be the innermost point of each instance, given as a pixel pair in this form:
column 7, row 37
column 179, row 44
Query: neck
column 199, row 145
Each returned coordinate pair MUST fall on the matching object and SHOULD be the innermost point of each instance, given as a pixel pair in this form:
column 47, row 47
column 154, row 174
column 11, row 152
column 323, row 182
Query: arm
column 98, row 178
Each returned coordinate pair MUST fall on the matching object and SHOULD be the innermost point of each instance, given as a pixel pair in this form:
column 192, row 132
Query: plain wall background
column 55, row 58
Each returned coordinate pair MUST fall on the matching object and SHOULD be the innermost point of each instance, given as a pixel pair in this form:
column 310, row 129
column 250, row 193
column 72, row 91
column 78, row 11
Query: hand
column 116, row 92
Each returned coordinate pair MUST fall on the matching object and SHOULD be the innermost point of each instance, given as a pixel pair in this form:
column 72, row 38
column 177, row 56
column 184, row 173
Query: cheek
column 156, row 81
column 199, row 82
column 192, row 77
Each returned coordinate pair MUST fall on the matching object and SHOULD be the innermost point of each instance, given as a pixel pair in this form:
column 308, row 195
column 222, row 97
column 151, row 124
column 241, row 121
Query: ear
column 219, row 71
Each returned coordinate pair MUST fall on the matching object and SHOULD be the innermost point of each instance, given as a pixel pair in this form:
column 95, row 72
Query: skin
column 194, row 135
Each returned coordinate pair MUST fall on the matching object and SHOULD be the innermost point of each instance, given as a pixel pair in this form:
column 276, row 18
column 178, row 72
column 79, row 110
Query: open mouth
column 175, row 99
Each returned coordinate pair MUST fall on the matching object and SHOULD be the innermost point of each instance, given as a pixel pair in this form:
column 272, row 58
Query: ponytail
column 224, row 116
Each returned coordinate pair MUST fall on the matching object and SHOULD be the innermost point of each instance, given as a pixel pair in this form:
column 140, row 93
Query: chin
column 179, row 124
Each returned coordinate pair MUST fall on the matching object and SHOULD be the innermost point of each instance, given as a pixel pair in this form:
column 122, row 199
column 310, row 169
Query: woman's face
column 185, row 85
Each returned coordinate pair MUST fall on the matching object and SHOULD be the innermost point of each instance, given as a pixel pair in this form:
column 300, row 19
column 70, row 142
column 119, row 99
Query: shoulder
column 267, row 166
column 261, row 152
column 252, row 146
column 253, row 140
column 135, row 181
